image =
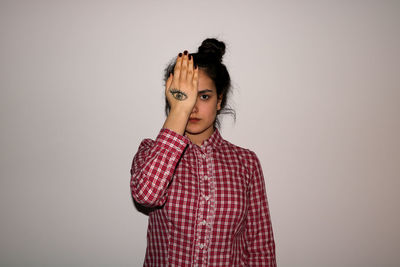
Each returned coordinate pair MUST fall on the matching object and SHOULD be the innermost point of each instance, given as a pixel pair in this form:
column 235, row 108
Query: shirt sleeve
column 153, row 167
column 260, row 239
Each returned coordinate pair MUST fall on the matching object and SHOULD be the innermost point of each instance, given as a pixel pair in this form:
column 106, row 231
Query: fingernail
column 180, row 54
column 185, row 52
column 190, row 56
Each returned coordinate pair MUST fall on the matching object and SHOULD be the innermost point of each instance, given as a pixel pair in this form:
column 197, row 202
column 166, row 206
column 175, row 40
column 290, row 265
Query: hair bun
column 212, row 47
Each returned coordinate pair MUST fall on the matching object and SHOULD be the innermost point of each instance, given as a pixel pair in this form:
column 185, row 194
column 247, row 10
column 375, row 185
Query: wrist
column 181, row 111
column 177, row 120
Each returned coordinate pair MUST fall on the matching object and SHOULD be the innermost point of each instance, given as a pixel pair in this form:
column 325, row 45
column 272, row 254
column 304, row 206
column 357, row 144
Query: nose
column 195, row 108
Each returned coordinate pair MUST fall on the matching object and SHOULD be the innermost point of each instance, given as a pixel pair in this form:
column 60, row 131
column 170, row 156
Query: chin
column 193, row 130
column 197, row 129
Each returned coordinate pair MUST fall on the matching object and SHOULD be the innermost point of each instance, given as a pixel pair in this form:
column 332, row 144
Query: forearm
column 153, row 167
column 177, row 120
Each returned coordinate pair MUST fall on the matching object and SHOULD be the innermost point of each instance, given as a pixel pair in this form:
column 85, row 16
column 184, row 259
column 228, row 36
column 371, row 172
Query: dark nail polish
column 180, row 54
column 185, row 52
column 190, row 56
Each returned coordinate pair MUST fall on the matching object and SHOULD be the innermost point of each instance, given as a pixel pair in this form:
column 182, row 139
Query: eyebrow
column 205, row 91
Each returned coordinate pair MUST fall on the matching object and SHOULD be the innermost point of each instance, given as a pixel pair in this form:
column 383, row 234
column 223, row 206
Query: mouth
column 194, row 119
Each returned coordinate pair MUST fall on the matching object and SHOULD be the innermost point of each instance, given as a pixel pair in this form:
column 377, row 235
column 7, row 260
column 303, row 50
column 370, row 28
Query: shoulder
column 246, row 157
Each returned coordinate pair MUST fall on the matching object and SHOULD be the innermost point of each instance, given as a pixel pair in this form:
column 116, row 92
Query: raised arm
column 155, row 161
column 153, row 167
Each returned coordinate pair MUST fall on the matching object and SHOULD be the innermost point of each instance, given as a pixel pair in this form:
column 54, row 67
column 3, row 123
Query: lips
column 193, row 119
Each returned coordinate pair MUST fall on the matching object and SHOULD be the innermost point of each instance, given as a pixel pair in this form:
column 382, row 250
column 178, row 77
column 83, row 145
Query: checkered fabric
column 209, row 203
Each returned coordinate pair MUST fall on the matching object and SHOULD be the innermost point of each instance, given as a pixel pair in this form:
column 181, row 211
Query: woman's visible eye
column 204, row 97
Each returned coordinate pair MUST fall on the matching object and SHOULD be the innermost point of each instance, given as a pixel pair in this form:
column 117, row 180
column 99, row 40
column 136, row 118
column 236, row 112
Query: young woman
column 210, row 205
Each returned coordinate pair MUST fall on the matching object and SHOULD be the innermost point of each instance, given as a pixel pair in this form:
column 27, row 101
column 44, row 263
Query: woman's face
column 201, row 121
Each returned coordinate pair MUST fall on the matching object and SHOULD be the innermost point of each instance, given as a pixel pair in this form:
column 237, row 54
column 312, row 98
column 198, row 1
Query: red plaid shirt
column 210, row 205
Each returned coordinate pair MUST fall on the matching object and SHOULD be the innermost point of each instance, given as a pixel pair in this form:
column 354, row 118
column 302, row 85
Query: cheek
column 208, row 108
column 212, row 108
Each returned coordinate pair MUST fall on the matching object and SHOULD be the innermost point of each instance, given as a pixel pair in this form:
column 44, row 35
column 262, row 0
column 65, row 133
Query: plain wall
column 317, row 95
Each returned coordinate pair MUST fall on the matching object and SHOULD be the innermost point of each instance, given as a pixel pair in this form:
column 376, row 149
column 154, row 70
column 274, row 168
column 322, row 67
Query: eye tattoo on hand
column 178, row 94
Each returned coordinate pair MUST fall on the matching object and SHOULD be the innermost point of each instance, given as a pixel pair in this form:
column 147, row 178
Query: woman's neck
column 199, row 138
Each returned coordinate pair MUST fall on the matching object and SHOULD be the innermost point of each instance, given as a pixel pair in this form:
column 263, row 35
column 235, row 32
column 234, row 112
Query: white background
column 317, row 95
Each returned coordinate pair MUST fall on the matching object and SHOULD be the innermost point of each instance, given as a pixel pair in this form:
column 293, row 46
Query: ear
column 219, row 102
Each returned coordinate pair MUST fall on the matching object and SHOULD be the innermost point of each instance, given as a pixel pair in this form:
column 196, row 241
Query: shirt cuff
column 169, row 139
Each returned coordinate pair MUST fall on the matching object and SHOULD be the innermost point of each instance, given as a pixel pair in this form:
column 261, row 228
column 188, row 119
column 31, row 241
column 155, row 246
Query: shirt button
column 206, row 197
column 201, row 246
column 205, row 177
column 203, row 156
column 203, row 222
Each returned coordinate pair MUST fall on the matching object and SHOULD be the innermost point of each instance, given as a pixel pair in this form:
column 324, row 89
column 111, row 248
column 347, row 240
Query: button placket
column 201, row 233
column 206, row 206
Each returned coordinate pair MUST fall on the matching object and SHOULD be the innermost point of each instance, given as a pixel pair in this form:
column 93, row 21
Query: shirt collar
column 214, row 141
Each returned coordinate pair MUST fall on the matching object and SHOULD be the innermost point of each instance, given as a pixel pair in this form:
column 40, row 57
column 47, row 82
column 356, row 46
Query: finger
column 184, row 66
column 195, row 80
column 189, row 75
column 169, row 81
column 177, row 69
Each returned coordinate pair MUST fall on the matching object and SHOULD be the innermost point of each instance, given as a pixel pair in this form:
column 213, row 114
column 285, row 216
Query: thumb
column 169, row 81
